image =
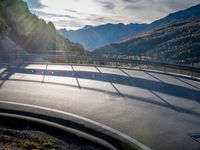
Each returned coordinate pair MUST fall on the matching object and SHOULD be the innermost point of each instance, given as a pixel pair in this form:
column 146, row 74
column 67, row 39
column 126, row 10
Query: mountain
column 29, row 33
column 176, row 37
column 94, row 37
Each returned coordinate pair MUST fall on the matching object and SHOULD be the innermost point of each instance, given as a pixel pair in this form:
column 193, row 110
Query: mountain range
column 20, row 30
column 135, row 39
column 94, row 37
column 175, row 37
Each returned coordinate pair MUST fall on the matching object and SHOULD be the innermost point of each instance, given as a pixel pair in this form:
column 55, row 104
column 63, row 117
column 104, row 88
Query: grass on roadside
column 34, row 143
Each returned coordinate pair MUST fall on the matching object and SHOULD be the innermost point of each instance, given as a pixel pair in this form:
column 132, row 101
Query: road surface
column 160, row 111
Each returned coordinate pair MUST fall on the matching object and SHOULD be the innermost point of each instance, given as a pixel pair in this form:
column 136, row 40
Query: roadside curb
column 80, row 126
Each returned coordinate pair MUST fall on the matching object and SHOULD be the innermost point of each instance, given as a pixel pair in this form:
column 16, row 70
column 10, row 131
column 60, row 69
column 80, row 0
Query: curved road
column 159, row 110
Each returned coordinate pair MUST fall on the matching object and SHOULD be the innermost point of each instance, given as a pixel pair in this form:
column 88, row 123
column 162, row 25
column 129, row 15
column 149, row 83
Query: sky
column 75, row 14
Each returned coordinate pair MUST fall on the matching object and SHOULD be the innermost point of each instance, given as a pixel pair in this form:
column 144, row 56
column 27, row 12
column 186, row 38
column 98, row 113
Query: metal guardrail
column 60, row 57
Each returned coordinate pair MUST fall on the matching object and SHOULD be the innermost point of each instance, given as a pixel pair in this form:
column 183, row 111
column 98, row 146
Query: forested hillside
column 29, row 32
column 177, row 39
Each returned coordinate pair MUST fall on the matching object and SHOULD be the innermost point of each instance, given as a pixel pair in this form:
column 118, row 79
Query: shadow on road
column 152, row 86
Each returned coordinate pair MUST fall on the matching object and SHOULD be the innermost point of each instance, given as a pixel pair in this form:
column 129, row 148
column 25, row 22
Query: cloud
column 98, row 19
column 69, row 10
column 68, row 23
column 73, row 14
column 81, row 22
column 133, row 7
column 131, row 1
column 73, row 11
column 34, row 4
column 108, row 5
column 175, row 5
column 45, row 14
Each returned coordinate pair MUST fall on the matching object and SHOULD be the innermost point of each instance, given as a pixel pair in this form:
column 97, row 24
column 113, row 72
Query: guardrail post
column 165, row 69
column 15, row 57
column 192, row 70
column 47, row 57
column 22, row 57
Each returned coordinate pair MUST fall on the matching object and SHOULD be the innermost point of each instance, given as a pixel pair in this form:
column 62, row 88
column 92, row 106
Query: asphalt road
column 160, row 111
